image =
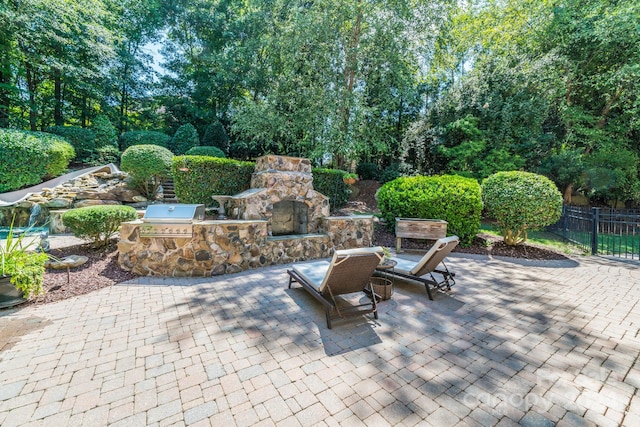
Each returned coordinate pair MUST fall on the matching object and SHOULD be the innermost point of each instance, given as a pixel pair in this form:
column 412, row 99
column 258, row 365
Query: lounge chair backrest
column 350, row 270
column 438, row 252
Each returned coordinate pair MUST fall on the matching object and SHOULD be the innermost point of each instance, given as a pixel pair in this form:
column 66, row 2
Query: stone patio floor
column 515, row 343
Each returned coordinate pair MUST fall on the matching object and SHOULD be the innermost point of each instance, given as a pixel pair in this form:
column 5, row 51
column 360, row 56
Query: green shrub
column 186, row 137
column 329, row 182
column 390, row 173
column 521, row 201
column 368, row 170
column 105, row 155
column 147, row 166
column 28, row 157
column 143, row 137
column 59, row 153
column 197, row 178
column 82, row 139
column 106, row 135
column 205, row 151
column 452, row 198
column 98, row 223
column 215, row 136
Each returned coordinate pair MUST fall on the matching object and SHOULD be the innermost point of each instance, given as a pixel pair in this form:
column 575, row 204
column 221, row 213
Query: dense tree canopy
column 474, row 87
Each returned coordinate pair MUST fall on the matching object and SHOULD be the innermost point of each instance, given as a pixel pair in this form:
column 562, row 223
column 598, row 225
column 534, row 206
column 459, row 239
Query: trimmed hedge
column 26, row 158
column 521, row 201
column 197, row 178
column 143, row 137
column 147, row 166
column 82, row 139
column 98, row 223
column 452, row 198
column 329, row 182
column 205, row 151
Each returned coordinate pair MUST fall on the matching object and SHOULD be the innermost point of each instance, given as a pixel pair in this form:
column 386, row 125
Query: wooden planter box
column 417, row 228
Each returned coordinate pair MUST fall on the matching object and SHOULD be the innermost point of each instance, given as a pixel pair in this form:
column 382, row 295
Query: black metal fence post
column 595, row 218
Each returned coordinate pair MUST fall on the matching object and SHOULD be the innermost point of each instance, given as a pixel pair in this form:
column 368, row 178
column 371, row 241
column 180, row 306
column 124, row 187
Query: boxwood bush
column 521, row 201
column 197, row 178
column 205, row 151
column 98, row 223
column 143, row 137
column 453, row 198
column 147, row 166
column 82, row 139
column 105, row 132
column 329, row 182
column 26, row 158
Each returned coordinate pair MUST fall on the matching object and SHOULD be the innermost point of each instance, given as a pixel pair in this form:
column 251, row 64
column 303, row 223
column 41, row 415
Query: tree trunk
column 57, row 95
column 32, row 86
column 349, row 73
column 5, row 99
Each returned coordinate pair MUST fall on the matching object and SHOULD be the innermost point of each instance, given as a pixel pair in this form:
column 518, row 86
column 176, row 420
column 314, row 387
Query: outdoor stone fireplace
column 280, row 219
column 282, row 193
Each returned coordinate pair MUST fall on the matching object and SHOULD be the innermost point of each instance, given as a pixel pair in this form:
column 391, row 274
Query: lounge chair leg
column 328, row 315
column 426, row 285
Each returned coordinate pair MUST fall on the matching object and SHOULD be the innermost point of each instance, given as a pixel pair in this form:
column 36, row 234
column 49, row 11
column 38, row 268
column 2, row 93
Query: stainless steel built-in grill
column 170, row 220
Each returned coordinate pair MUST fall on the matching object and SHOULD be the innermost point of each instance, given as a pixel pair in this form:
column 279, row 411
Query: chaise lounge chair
column 427, row 265
column 348, row 272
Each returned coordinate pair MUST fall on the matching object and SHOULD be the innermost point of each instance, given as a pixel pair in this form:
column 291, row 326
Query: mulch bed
column 102, row 270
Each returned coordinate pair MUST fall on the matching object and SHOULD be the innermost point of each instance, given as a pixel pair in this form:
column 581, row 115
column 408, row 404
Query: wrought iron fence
column 603, row 231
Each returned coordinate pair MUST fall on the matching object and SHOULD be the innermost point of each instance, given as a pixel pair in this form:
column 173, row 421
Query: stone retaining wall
column 230, row 246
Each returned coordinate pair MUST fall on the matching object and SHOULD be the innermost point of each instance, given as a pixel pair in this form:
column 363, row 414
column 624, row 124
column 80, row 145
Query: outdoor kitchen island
column 213, row 247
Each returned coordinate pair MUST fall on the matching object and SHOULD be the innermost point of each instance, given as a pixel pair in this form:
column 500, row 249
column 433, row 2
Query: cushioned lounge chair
column 427, row 265
column 349, row 271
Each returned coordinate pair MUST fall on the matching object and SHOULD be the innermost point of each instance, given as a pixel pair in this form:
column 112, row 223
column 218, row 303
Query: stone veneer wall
column 230, row 246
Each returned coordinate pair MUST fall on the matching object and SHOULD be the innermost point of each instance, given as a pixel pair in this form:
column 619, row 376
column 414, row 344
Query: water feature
column 30, row 226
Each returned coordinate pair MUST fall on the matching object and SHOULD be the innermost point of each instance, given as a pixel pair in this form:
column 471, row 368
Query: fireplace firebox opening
column 289, row 217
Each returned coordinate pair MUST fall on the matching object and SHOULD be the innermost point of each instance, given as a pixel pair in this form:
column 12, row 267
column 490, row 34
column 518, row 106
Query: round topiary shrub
column 98, row 223
column 521, row 201
column 186, row 137
column 205, row 151
column 147, row 166
column 452, row 198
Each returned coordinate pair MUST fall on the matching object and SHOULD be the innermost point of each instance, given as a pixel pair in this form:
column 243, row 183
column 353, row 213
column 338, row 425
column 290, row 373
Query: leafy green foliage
column 186, row 137
column 105, row 132
column 368, row 170
column 205, row 151
column 452, row 198
column 105, row 155
column 390, row 173
column 98, row 223
column 330, row 183
column 147, row 165
column 25, row 267
column 521, row 201
column 143, row 137
column 83, row 140
column 611, row 174
column 215, row 136
column 26, row 158
column 197, row 178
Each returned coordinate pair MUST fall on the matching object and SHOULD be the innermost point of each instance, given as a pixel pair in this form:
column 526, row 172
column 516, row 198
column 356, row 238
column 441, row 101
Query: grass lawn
column 542, row 238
